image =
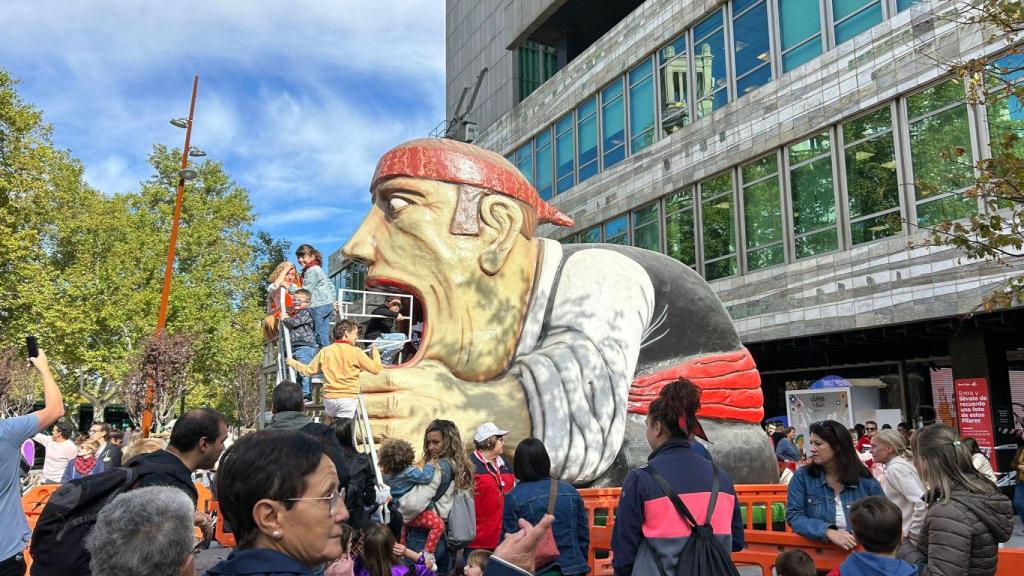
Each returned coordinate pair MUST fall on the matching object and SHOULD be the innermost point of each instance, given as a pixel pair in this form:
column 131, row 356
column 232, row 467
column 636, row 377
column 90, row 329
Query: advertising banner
column 974, row 409
column 805, row 407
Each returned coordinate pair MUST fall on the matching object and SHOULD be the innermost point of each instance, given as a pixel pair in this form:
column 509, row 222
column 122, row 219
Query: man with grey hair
column 144, row 532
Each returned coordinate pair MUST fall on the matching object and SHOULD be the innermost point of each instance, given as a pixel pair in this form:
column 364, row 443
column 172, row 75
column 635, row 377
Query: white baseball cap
column 486, row 430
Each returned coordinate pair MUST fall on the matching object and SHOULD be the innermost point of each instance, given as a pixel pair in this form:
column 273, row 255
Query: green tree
column 997, row 233
column 84, row 270
column 41, row 187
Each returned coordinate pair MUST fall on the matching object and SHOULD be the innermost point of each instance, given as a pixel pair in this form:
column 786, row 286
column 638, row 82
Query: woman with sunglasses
column 820, row 493
column 279, row 492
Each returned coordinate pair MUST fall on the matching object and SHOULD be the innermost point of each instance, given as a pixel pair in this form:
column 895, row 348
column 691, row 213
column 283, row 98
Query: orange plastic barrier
column 33, row 501
column 1011, row 562
column 226, row 539
column 762, row 545
column 202, row 504
column 600, row 504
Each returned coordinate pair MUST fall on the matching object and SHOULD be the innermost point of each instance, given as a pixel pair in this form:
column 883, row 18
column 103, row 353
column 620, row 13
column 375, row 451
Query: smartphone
column 33, row 346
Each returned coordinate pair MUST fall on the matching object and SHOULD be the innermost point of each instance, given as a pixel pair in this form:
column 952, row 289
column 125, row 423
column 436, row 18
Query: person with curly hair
column 649, row 536
column 443, row 446
column 396, row 463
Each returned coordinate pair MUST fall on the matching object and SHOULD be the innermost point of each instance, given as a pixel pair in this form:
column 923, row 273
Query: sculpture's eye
column 396, row 204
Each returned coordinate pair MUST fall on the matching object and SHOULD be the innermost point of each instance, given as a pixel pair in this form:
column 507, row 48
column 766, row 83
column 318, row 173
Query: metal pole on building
column 147, row 412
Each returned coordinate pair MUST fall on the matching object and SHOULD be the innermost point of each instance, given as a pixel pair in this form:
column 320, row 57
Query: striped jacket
column 648, row 529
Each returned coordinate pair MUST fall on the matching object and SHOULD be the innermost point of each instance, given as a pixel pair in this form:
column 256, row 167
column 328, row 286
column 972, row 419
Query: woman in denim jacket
column 529, row 500
column 820, row 493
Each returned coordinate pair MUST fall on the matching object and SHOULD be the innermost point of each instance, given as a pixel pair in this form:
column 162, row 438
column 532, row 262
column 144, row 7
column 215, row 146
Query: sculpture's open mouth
column 417, row 314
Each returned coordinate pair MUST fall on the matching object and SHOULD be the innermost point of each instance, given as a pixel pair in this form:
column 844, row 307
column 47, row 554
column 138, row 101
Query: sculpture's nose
column 360, row 247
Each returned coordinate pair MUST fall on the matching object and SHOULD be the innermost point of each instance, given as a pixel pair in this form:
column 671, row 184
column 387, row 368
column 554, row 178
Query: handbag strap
column 552, row 496
column 443, row 487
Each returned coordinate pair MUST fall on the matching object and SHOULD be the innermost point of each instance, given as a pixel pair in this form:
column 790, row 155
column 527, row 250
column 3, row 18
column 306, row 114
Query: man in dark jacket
column 108, row 453
column 196, row 443
column 287, row 405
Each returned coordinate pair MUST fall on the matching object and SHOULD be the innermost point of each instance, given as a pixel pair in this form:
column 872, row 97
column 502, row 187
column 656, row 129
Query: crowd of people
column 299, row 498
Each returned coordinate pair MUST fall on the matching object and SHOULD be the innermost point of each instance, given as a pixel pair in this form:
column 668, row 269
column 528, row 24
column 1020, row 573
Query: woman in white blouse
column 978, row 458
column 901, row 483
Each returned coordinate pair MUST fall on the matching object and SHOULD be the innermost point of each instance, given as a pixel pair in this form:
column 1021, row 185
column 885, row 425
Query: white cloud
column 297, row 99
column 355, row 34
column 302, row 215
column 112, row 176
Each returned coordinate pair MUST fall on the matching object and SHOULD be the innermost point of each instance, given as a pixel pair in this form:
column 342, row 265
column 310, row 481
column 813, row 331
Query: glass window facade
column 641, row 106
column 1005, row 112
column 718, row 216
column 800, row 30
column 812, row 196
column 586, row 138
column 591, row 235
column 647, row 227
column 751, row 49
column 543, row 164
column 613, row 124
column 851, row 17
column 524, row 160
column 616, row 230
column 675, row 99
column 537, row 62
column 941, row 154
column 695, row 78
column 912, row 156
column 680, row 239
column 565, row 153
column 710, row 80
column 762, row 213
column 871, row 177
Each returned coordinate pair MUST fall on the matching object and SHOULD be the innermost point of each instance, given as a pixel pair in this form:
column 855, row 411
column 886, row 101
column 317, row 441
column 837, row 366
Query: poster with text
column 807, row 406
column 974, row 408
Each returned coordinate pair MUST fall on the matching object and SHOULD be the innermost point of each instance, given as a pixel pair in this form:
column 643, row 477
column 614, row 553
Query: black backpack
column 58, row 541
column 703, row 553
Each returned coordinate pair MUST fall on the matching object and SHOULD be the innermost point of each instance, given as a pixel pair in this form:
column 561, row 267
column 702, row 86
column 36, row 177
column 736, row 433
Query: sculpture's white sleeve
column 577, row 375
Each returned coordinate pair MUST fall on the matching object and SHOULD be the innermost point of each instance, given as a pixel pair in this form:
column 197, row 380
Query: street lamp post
column 147, row 412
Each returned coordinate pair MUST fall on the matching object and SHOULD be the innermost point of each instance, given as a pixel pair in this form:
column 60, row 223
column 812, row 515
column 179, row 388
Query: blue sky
column 297, row 99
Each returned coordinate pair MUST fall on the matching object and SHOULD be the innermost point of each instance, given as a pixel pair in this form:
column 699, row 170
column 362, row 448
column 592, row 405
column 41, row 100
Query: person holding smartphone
column 13, row 432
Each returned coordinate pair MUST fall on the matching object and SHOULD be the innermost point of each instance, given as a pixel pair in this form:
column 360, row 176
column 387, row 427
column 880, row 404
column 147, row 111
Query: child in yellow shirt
column 341, row 364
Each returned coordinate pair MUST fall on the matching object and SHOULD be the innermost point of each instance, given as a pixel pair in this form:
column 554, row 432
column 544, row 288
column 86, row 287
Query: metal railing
column 357, row 304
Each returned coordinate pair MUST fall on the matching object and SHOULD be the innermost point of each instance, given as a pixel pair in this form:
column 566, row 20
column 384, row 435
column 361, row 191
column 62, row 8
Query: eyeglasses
column 95, row 430
column 502, row 438
column 870, row 428
column 335, row 499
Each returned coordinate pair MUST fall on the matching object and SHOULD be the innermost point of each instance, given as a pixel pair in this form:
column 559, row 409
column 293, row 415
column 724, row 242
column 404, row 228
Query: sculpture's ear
column 501, row 220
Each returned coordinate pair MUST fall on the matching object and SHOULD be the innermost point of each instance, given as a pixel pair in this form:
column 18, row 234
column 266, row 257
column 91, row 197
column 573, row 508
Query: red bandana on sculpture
column 460, row 163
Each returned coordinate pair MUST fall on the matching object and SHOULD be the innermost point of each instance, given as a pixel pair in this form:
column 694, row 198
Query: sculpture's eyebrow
column 388, row 189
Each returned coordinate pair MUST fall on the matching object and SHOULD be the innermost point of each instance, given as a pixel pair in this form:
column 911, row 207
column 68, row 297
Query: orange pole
column 161, row 321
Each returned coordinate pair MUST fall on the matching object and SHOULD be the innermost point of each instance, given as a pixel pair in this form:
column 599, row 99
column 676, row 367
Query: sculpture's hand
column 402, row 401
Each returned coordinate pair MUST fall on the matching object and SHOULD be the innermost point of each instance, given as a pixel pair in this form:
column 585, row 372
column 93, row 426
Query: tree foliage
column 17, row 383
column 997, row 232
column 83, row 270
column 164, row 360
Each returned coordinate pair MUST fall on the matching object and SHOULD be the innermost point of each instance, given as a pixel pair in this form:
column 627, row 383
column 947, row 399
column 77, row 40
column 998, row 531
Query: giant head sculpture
column 565, row 343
